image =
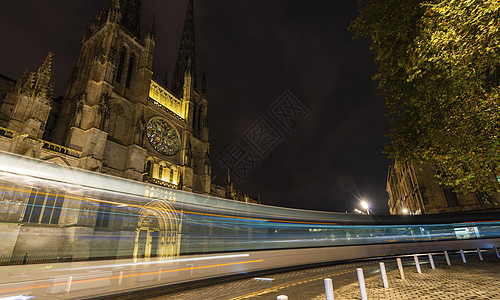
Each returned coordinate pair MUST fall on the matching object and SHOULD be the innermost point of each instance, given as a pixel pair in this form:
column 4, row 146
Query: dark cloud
column 252, row 51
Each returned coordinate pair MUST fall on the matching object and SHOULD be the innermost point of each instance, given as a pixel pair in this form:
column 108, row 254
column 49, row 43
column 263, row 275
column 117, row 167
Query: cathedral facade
column 113, row 119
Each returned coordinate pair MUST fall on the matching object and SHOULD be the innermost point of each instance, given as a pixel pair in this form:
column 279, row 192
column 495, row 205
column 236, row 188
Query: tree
column 439, row 69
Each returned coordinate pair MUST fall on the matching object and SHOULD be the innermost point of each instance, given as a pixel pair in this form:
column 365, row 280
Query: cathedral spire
column 186, row 57
column 22, row 81
column 110, row 11
column 37, row 84
column 131, row 16
column 43, row 86
column 125, row 12
column 45, row 70
column 151, row 31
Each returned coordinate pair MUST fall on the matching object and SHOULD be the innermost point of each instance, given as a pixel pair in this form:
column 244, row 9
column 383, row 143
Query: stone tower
column 27, row 107
column 123, row 122
column 108, row 84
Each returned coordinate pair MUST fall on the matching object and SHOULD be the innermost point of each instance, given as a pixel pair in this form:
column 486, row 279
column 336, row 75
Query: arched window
column 43, row 207
column 160, row 173
column 149, row 168
column 131, row 63
column 118, row 123
column 121, row 62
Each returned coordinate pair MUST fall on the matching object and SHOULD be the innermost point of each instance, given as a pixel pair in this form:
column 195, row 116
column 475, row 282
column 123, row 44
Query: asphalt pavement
column 474, row 279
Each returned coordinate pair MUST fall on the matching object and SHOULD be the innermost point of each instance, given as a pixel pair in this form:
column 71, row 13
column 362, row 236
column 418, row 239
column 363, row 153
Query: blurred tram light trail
column 179, row 260
column 58, row 284
column 73, row 233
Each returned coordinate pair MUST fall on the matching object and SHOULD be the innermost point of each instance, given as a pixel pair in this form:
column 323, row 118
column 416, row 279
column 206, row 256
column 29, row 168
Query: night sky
column 252, row 52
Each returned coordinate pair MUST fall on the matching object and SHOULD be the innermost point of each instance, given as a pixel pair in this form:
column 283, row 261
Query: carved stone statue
column 189, row 154
column 105, row 125
column 139, row 130
column 80, row 102
column 101, row 120
column 206, row 163
column 112, row 55
column 78, row 113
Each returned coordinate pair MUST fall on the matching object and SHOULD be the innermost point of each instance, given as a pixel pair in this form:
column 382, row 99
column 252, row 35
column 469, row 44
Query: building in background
column 414, row 189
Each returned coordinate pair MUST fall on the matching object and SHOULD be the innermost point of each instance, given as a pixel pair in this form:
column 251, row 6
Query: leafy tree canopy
column 439, row 68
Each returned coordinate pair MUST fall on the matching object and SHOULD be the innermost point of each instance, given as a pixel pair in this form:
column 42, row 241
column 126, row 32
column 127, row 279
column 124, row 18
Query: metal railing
column 152, row 180
column 6, row 132
column 60, row 149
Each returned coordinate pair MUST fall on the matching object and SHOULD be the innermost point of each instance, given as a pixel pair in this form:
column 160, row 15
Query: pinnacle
column 186, row 56
column 47, row 65
column 151, row 27
column 43, row 84
column 116, row 4
column 124, row 12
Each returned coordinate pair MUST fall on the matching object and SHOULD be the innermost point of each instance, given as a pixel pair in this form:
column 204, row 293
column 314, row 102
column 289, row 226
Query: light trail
column 16, row 289
column 159, row 262
column 175, row 210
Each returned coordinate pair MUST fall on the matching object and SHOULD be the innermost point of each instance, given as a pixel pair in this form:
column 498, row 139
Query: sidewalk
column 472, row 280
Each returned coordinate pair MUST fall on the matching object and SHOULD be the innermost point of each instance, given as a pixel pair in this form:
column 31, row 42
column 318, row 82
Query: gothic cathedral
column 114, row 118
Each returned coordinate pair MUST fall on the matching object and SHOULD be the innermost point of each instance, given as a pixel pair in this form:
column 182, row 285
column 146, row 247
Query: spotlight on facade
column 405, row 211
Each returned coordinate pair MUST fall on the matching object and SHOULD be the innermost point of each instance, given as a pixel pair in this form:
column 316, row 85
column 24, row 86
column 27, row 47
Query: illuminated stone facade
column 114, row 119
column 108, row 121
column 414, row 189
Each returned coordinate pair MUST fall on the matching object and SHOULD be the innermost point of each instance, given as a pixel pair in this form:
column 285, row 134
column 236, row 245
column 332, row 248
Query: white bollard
column 159, row 274
column 463, row 255
column 448, row 262
column 329, row 289
column 120, row 278
column 384, row 275
column 496, row 251
column 417, row 264
column 479, row 254
column 400, row 267
column 431, row 260
column 282, row 297
column 362, row 287
column 68, row 287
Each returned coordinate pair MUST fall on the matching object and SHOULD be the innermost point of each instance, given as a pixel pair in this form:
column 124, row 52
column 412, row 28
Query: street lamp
column 405, row 211
column 366, row 206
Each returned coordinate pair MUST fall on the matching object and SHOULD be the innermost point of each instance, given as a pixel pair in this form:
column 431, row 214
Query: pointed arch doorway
column 158, row 231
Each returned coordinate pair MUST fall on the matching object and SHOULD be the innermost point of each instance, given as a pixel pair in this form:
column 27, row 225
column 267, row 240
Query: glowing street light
column 366, row 206
column 405, row 211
